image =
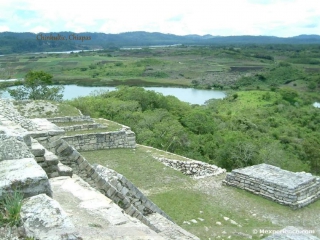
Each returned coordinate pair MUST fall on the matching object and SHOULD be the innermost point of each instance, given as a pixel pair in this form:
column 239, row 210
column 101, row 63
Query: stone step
column 37, row 149
column 43, row 218
column 94, row 215
column 64, row 170
column 24, row 175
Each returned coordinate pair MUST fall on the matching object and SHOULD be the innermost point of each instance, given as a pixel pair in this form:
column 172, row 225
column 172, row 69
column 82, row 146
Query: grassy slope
column 185, row 199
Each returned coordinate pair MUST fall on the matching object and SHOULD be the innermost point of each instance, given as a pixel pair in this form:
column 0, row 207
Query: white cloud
column 216, row 17
column 4, row 28
column 39, row 29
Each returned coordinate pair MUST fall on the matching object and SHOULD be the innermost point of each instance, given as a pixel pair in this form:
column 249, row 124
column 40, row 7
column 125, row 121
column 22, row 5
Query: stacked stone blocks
column 192, row 168
column 106, row 140
column 82, row 127
column 293, row 189
column 119, row 189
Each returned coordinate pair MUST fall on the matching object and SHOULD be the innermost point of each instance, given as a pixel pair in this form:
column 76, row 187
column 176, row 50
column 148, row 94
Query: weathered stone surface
column 126, row 190
column 94, row 215
column 43, row 125
column 11, row 114
column 84, row 127
column 12, row 147
column 37, row 149
column 43, row 218
column 70, row 119
column 64, row 170
column 196, row 169
column 105, row 140
column 24, row 175
column 294, row 189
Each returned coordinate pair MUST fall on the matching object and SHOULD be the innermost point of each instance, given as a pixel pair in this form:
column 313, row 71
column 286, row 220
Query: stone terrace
column 52, row 191
column 288, row 188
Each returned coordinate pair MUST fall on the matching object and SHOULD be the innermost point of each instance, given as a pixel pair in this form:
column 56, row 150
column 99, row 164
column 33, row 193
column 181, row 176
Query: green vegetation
column 10, row 207
column 184, row 198
column 35, row 87
column 246, row 128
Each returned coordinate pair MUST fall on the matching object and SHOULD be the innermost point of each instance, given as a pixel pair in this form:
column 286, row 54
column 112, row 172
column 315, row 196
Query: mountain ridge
column 14, row 42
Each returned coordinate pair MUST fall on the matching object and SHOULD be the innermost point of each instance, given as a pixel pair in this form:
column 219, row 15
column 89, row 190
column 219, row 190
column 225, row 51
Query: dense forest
column 277, row 127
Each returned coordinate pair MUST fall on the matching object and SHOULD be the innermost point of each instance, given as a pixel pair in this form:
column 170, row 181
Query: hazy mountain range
column 11, row 42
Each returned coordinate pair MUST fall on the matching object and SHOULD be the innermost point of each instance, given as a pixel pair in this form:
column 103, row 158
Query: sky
column 282, row 18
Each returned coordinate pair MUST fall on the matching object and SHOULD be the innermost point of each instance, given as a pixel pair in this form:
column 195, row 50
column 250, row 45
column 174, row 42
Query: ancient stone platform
column 24, row 175
column 55, row 224
column 288, row 188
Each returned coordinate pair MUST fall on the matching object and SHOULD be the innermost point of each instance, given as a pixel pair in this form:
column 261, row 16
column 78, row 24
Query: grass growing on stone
column 135, row 165
column 10, row 207
column 66, row 124
column 45, row 109
column 78, row 132
column 204, row 200
column 161, row 153
column 66, row 110
column 111, row 125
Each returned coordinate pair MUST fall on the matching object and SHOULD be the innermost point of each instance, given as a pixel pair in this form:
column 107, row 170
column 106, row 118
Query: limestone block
column 43, row 218
column 24, row 175
column 64, row 149
column 51, row 158
column 64, row 170
column 13, row 148
column 53, row 174
column 39, row 159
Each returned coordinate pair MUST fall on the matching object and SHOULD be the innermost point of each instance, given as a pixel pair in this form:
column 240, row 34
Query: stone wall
column 288, row 188
column 193, row 168
column 131, row 193
column 81, row 118
column 108, row 182
column 82, row 127
column 106, row 140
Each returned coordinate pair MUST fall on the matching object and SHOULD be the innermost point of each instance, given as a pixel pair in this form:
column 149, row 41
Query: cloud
column 177, row 18
column 311, row 25
column 39, row 29
column 216, row 17
column 4, row 28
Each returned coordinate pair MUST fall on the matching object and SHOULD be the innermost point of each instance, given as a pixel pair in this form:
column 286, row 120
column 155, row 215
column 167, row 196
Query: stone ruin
column 52, row 175
column 193, row 168
column 288, row 188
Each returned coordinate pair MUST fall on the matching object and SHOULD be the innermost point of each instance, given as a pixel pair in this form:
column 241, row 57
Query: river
column 190, row 95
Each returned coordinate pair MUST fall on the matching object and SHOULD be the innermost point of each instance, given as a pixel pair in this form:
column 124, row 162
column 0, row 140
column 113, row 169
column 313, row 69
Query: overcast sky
column 282, row 18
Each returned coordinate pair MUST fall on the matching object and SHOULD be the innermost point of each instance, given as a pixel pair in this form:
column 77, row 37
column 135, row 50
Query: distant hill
column 11, row 42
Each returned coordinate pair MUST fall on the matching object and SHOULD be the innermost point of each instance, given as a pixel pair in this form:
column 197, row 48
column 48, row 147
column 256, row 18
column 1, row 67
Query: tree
column 289, row 94
column 36, row 86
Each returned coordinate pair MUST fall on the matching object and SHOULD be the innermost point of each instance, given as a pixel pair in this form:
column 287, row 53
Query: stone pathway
column 94, row 215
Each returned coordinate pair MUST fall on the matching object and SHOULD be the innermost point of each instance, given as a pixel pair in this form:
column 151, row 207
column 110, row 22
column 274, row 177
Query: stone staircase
column 49, row 161
column 60, row 204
